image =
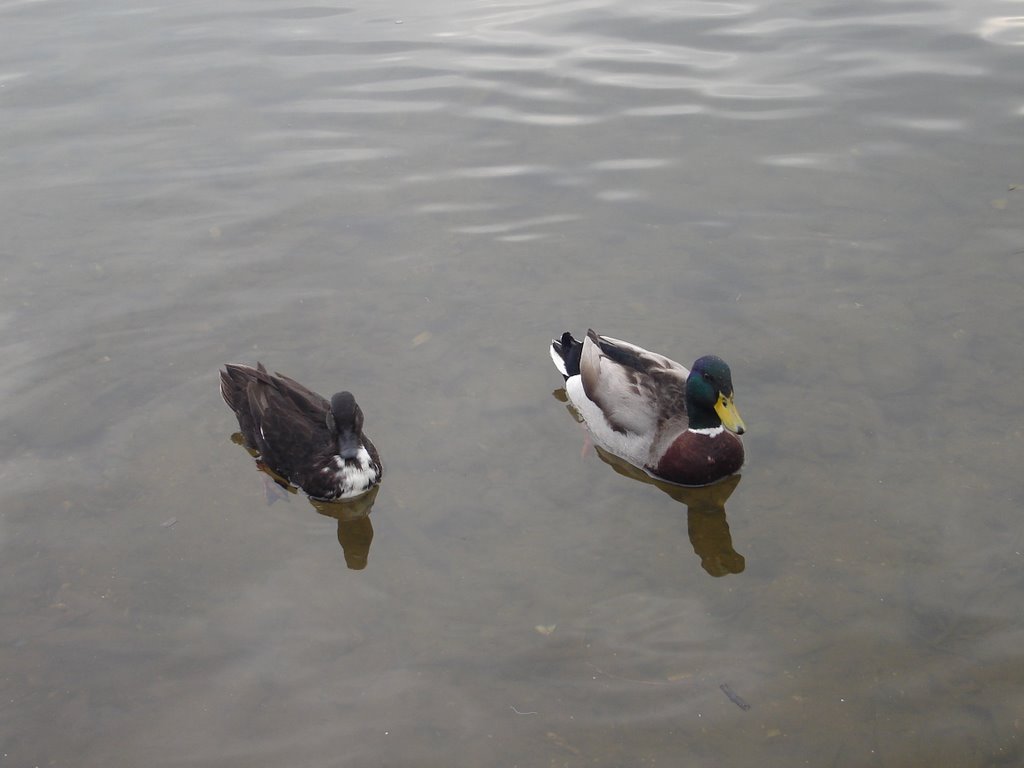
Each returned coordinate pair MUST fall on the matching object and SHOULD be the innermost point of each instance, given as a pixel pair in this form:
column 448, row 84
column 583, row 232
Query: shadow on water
column 706, row 522
column 355, row 531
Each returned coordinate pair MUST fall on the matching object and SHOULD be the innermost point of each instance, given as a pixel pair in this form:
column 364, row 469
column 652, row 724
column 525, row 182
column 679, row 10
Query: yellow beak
column 726, row 410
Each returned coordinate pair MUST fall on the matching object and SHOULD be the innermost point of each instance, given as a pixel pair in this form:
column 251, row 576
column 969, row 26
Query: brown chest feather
column 695, row 459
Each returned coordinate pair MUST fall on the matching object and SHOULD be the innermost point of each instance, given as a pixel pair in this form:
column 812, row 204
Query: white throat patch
column 709, row 431
column 354, row 479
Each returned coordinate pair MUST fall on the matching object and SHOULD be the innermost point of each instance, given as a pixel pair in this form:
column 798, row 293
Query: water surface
column 408, row 200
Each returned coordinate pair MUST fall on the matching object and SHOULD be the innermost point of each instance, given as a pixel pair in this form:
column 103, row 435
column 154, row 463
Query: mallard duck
column 315, row 444
column 678, row 425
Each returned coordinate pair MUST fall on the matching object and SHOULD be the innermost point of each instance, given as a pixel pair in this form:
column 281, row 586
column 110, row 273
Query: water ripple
column 344, row 106
column 1003, row 30
column 482, row 172
column 632, row 164
column 532, row 118
column 508, row 226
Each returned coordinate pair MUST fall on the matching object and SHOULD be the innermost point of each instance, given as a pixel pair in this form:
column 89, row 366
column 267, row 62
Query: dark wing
column 638, row 358
column 291, row 432
column 305, row 399
column 234, row 388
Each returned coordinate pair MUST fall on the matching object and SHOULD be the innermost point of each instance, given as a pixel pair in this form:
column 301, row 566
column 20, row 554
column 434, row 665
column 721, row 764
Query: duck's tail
column 233, row 382
column 565, row 354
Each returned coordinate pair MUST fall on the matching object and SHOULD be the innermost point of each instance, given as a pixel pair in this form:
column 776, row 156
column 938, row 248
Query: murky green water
column 409, row 200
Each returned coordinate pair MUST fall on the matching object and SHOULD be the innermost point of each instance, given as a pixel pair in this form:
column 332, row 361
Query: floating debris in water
column 734, row 697
column 169, row 523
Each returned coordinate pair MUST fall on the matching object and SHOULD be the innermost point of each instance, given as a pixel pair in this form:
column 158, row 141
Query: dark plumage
column 314, row 444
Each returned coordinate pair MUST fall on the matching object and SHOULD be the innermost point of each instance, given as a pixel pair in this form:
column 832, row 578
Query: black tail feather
column 570, row 350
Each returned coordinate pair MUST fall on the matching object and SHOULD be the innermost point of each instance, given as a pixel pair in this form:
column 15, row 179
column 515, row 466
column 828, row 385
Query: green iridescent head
column 709, row 396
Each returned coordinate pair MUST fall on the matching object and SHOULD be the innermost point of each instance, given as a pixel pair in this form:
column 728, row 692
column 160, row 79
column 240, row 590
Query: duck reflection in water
column 706, row 522
column 355, row 531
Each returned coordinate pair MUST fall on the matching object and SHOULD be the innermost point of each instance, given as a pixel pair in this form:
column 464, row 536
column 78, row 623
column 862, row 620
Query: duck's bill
column 726, row 410
column 348, row 444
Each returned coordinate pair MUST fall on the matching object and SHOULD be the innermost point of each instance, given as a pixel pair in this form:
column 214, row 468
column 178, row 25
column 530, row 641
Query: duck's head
column 709, row 396
column 345, row 419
